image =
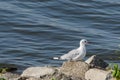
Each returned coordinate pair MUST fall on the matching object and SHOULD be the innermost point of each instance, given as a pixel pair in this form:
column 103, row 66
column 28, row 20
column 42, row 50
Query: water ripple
column 34, row 31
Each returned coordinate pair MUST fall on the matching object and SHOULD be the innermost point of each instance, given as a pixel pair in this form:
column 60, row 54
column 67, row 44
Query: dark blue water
column 34, row 31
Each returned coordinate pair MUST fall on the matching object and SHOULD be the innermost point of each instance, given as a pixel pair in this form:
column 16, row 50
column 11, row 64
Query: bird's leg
column 69, row 60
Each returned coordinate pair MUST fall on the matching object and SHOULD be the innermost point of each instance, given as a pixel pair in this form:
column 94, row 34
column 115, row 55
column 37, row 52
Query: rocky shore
column 93, row 68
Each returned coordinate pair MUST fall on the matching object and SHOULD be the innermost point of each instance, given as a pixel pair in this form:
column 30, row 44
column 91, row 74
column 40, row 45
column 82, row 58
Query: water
column 34, row 31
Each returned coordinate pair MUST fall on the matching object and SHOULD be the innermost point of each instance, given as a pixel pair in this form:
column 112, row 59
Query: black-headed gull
column 75, row 54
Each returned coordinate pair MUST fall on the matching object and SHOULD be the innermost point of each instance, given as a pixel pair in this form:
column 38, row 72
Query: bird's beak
column 89, row 42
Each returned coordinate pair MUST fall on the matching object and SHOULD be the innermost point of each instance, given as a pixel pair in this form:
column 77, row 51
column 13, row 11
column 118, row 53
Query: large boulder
column 95, row 62
column 75, row 69
column 98, row 74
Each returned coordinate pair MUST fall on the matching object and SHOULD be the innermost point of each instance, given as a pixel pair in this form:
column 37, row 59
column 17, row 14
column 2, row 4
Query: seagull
column 75, row 54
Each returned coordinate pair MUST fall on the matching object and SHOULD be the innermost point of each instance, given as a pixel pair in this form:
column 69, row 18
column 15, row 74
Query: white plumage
column 75, row 54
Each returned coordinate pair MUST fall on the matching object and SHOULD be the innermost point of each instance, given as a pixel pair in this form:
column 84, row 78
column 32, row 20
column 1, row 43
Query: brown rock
column 75, row 69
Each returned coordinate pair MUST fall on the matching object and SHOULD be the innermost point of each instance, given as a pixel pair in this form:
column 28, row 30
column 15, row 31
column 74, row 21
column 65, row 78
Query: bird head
column 83, row 42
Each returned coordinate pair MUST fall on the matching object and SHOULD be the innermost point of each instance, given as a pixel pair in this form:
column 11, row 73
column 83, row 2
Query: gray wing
column 70, row 55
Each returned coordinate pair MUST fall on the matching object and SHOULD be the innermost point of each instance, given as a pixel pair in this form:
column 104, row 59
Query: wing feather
column 71, row 54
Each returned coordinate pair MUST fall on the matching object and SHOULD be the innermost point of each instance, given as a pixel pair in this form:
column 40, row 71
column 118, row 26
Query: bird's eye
column 85, row 41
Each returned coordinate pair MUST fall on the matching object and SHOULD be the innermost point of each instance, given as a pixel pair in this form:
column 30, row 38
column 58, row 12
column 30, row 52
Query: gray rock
column 75, row 69
column 95, row 62
column 43, row 73
column 28, row 78
column 38, row 72
column 32, row 78
column 97, row 74
column 55, row 76
column 10, row 76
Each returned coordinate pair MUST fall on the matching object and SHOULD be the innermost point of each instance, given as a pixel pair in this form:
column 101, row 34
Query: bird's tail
column 56, row 58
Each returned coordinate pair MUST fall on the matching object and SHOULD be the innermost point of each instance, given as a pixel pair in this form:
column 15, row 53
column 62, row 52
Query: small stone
column 98, row 74
column 95, row 62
